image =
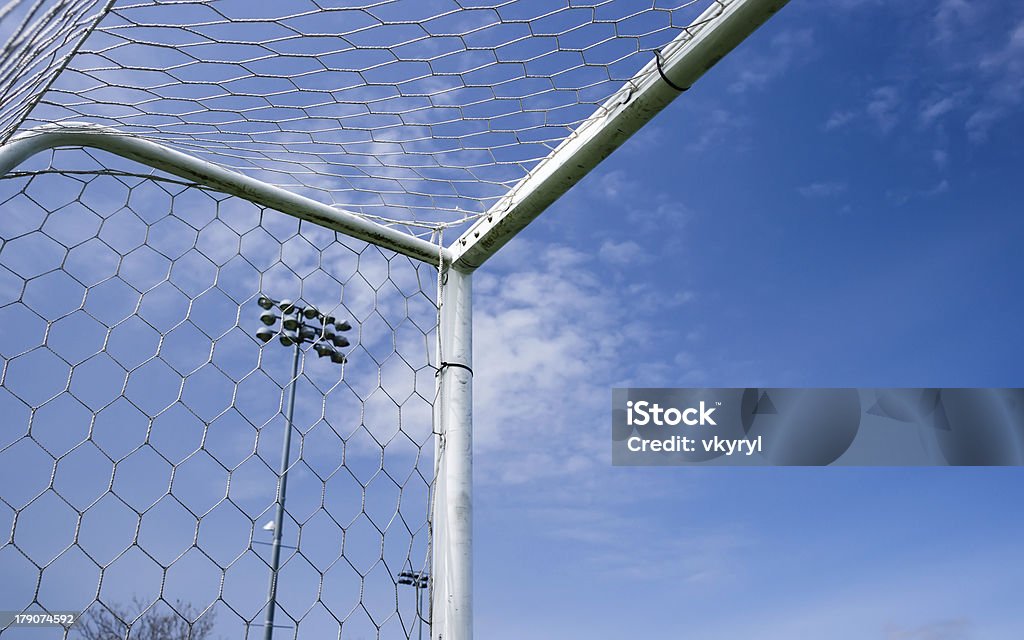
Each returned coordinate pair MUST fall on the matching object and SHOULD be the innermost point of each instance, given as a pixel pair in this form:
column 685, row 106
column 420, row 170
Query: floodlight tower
column 299, row 325
column 419, row 580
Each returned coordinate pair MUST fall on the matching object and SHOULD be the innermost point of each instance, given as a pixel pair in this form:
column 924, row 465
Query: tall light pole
column 419, row 580
column 299, row 325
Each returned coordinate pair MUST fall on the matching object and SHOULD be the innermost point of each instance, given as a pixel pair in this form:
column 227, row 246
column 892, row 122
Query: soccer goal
column 237, row 241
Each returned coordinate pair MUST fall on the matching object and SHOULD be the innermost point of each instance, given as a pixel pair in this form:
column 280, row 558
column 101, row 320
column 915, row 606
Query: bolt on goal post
column 280, row 172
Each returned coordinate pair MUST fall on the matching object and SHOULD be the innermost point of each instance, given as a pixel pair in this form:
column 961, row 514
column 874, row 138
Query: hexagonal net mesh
column 423, row 112
column 143, row 422
column 143, row 418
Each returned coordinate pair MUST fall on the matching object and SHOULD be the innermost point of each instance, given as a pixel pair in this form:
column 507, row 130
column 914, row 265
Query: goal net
column 174, row 170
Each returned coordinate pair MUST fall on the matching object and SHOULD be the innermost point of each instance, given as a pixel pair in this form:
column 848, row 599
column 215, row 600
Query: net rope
column 414, row 112
column 143, row 421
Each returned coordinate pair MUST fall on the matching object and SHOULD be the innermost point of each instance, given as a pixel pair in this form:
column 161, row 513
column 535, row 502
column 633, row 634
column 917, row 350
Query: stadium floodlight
column 286, row 306
column 268, row 318
column 391, row 188
column 296, row 331
column 323, row 349
column 420, row 580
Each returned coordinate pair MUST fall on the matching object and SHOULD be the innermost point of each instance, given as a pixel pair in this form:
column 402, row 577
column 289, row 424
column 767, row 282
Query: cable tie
column 661, row 72
column 453, row 364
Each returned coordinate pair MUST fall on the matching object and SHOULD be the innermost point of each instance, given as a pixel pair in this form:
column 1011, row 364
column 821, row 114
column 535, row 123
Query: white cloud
column 980, row 122
column 1004, row 71
column 941, row 187
column 904, row 195
column 664, row 217
column 822, row 189
column 788, row 48
column 716, row 124
column 553, row 337
column 854, row 4
column 937, row 107
column 839, row 119
column 958, row 629
column 883, row 108
column 621, row 253
column 951, row 17
column 615, row 184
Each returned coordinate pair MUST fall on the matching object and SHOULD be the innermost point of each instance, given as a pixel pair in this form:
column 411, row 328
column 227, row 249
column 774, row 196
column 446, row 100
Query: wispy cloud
column 853, row 4
column 787, row 49
column 980, row 122
column 1003, row 69
column 956, row 629
column 543, row 374
column 714, row 127
column 822, row 189
column 621, row 253
column 942, row 186
column 883, row 108
column 839, row 119
column 935, row 108
column 615, row 184
column 951, row 17
column 545, row 381
column 904, row 195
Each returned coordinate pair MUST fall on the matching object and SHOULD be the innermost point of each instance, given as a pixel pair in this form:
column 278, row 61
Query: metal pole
column 724, row 25
column 78, row 134
column 282, row 485
column 451, row 615
column 419, row 607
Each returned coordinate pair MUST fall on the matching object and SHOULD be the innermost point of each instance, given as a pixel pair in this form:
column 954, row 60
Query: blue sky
column 836, row 204
column 833, row 205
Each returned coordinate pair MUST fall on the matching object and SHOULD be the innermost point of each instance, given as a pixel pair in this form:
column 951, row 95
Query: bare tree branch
column 179, row 621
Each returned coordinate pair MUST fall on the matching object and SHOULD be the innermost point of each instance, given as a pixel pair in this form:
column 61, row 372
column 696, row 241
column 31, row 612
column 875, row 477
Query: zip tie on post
column 453, row 364
column 661, row 72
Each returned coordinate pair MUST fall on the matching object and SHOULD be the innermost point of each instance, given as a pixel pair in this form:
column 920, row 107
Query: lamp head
column 291, row 322
column 323, row 349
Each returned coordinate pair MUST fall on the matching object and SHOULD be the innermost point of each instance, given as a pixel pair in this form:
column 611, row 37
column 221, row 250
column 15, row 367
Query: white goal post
column 670, row 69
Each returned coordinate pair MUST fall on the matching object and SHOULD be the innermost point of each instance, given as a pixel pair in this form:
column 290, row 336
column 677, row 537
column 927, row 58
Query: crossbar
column 157, row 156
column 682, row 62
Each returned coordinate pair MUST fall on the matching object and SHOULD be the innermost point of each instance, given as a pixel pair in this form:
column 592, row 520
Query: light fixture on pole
column 299, row 325
column 420, row 580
